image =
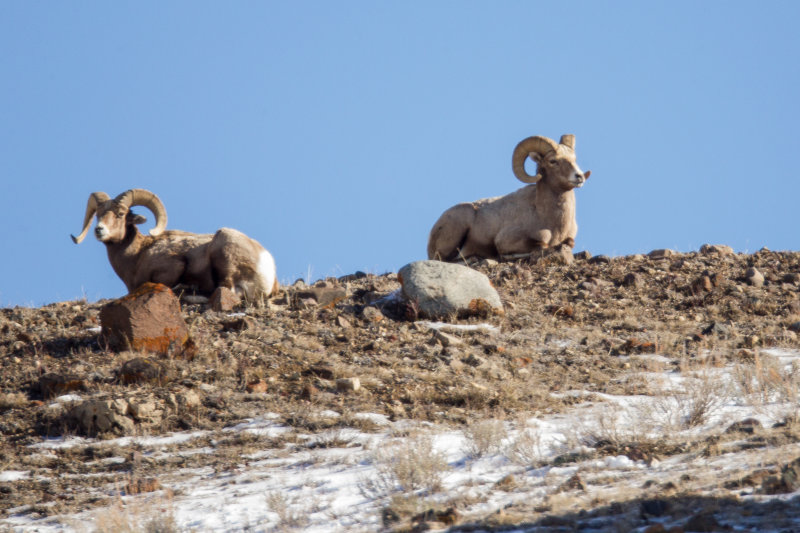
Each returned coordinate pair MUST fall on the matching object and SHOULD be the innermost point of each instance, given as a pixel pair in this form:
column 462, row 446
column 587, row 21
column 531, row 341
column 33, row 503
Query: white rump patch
column 266, row 268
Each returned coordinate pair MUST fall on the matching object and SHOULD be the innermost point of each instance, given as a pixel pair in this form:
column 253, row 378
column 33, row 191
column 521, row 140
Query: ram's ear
column 133, row 218
column 536, row 156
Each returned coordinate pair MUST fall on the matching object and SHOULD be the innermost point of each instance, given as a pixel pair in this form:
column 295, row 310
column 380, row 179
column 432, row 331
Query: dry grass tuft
column 409, row 466
column 137, row 517
column 485, row 437
column 290, row 516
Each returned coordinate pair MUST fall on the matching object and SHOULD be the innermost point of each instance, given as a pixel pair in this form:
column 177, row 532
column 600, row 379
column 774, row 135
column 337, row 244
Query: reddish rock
column 702, row 284
column 258, row 386
column 148, row 319
column 637, row 346
column 223, row 299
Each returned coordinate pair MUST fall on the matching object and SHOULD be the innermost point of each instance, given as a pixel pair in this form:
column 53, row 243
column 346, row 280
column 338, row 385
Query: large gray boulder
column 445, row 290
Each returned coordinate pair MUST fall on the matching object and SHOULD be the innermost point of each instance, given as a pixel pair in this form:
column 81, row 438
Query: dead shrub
column 411, row 465
column 484, row 437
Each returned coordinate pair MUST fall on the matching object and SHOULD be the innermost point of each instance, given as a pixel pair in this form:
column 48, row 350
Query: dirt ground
column 565, row 327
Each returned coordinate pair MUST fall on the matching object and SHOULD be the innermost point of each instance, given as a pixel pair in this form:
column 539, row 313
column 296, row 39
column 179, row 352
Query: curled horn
column 95, row 199
column 149, row 200
column 536, row 144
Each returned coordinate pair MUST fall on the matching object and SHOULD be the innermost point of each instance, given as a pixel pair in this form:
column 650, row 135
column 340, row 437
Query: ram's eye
column 553, row 161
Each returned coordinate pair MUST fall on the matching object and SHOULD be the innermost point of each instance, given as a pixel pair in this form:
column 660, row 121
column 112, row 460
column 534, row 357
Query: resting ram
column 228, row 258
column 535, row 217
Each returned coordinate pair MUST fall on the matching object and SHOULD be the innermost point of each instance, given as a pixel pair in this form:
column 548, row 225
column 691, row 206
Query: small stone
column 488, row 263
column 585, row 255
column 142, row 370
column 446, row 339
column 633, row 279
column 144, row 410
column 348, row 384
column 223, row 299
column 189, row 399
column 372, row 314
column 102, row 416
column 342, row 322
column 352, row 277
column 599, row 260
column 239, row 324
column 754, row 277
column 326, row 297
column 661, row 253
column 719, row 249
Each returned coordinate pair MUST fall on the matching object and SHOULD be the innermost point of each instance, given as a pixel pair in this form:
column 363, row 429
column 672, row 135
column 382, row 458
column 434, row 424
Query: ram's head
column 114, row 215
column 555, row 162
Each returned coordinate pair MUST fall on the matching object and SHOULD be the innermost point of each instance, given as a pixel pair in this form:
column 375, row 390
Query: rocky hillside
column 596, row 328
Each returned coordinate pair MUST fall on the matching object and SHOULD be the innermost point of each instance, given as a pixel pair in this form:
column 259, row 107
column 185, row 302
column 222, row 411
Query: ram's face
column 113, row 220
column 562, row 169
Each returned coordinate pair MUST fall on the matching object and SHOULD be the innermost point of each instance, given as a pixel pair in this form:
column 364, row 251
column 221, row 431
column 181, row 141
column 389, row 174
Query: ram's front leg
column 560, row 253
column 515, row 243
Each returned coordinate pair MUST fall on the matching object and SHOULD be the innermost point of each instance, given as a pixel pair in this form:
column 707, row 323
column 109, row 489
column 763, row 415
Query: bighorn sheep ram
column 537, row 216
column 228, row 258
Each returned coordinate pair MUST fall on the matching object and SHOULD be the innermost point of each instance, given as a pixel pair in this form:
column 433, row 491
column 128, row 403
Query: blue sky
column 335, row 133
